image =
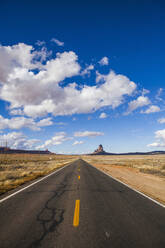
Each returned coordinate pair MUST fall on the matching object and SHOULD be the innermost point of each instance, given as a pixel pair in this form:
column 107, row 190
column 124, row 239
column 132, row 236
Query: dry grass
column 16, row 169
column 150, row 164
column 146, row 173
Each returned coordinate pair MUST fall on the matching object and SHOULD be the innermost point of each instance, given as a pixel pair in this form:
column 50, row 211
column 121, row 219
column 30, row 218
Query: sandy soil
column 150, row 185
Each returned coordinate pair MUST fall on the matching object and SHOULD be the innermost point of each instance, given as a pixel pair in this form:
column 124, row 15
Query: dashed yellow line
column 78, row 169
column 76, row 214
column 79, row 177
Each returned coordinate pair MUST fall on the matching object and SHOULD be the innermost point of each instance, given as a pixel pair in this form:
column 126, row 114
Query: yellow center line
column 76, row 213
column 78, row 169
column 79, row 177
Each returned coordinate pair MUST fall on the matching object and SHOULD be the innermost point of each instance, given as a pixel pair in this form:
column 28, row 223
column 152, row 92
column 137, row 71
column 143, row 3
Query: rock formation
column 99, row 150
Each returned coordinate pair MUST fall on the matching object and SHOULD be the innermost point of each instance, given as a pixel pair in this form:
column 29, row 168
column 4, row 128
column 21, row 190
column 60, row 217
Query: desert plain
column 145, row 173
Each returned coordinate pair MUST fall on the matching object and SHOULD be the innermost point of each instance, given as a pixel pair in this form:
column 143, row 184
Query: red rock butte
column 99, row 149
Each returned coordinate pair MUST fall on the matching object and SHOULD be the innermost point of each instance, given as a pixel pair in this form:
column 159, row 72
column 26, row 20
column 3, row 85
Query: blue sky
column 74, row 74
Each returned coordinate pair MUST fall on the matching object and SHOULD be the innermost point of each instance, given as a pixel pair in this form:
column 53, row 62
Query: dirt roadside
column 148, row 184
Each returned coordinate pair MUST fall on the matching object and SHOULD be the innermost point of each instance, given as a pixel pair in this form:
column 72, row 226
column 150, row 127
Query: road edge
column 37, row 181
column 137, row 191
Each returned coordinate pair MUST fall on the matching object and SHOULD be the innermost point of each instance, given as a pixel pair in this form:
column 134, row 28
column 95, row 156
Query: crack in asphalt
column 50, row 217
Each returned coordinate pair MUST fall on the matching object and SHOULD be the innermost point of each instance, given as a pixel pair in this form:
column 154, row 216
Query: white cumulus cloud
column 87, row 70
column 160, row 139
column 151, row 109
column 17, row 140
column 137, row 103
column 40, row 93
column 158, row 95
column 104, row 61
column 78, row 142
column 57, row 139
column 161, row 120
column 40, row 43
column 58, row 43
column 23, row 122
column 16, row 112
column 45, row 122
column 88, row 134
column 103, row 115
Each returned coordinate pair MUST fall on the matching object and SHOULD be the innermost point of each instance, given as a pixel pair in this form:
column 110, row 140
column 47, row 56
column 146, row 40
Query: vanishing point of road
column 80, row 207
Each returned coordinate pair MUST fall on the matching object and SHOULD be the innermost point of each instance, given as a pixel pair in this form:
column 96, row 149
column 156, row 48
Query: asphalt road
column 107, row 214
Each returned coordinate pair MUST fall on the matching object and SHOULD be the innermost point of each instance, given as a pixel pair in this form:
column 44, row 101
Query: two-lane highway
column 79, row 206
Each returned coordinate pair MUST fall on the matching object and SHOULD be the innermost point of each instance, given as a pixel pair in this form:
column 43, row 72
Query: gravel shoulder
column 148, row 184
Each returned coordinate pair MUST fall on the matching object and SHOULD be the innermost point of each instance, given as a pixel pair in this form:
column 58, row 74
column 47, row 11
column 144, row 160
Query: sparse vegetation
column 151, row 164
column 16, row 169
column 145, row 173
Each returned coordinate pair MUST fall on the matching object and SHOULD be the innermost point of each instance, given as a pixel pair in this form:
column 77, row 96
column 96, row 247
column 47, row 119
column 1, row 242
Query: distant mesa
column 8, row 150
column 100, row 151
